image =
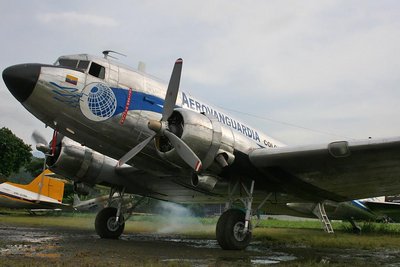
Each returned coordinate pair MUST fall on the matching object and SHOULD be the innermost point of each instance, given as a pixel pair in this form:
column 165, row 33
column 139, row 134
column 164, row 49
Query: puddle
column 255, row 254
column 54, row 244
column 196, row 263
column 31, row 235
column 35, row 243
column 16, row 249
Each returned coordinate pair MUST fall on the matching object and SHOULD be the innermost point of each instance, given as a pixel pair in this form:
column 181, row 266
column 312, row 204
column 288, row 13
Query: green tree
column 14, row 153
column 35, row 167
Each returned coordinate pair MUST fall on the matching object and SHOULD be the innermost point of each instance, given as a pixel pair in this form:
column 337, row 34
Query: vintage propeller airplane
column 123, row 128
column 43, row 193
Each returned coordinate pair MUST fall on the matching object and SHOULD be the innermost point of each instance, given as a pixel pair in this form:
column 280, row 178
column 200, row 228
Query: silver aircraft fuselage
column 61, row 97
column 105, row 110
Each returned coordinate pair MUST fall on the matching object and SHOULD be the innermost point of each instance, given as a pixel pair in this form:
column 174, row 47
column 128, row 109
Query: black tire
column 228, row 236
column 104, row 224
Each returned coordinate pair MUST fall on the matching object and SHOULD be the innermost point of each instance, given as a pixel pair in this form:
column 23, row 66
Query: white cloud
column 75, row 18
column 328, row 65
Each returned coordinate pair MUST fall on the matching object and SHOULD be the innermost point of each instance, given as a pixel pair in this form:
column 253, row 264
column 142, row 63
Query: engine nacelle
column 211, row 141
column 80, row 163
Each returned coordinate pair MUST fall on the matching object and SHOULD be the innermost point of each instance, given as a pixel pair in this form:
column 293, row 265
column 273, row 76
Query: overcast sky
column 332, row 68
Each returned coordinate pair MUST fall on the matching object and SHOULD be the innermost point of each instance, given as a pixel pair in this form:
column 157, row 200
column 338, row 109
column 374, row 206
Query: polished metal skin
column 56, row 99
column 108, row 109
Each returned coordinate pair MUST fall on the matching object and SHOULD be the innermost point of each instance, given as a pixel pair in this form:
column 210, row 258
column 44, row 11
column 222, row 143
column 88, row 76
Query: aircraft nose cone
column 21, row 79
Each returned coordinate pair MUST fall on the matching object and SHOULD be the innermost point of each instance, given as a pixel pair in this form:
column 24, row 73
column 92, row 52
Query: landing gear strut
column 356, row 228
column 234, row 226
column 110, row 221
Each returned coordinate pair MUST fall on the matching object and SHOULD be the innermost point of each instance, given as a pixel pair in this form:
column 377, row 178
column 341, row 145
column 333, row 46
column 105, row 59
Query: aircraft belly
column 179, row 189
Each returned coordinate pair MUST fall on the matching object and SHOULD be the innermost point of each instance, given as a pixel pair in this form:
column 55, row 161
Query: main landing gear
column 108, row 224
column 110, row 221
column 231, row 233
column 234, row 229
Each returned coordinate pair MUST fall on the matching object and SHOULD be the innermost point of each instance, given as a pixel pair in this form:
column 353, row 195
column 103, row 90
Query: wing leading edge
column 338, row 171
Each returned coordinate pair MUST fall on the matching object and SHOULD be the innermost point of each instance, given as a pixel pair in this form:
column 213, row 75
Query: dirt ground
column 42, row 246
column 53, row 246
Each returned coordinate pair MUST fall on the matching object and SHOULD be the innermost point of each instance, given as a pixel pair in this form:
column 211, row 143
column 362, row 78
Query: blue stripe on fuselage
column 359, row 204
column 139, row 101
column 143, row 101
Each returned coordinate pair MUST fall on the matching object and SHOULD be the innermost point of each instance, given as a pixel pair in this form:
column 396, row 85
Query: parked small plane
column 96, row 203
column 125, row 129
column 93, row 204
column 370, row 209
column 42, row 193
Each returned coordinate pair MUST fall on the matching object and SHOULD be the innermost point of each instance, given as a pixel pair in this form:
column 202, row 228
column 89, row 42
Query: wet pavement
column 50, row 245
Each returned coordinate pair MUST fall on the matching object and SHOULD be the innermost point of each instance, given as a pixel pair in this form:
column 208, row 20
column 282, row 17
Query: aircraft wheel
column 105, row 224
column 229, row 230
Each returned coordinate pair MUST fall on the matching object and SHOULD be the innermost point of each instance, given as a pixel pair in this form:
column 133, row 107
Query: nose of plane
column 21, row 79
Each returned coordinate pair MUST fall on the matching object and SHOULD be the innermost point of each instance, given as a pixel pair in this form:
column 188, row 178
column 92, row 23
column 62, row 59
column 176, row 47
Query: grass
column 319, row 239
column 269, row 232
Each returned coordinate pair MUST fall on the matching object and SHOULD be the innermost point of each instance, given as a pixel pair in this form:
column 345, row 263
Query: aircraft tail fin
column 45, row 185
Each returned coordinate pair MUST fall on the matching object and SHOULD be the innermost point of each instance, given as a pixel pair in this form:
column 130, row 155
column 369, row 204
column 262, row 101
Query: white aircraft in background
column 97, row 203
column 369, row 209
column 93, row 204
column 125, row 129
column 43, row 193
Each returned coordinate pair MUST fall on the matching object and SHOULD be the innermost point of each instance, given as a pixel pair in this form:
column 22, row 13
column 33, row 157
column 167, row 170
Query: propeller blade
column 134, row 151
column 184, row 151
column 38, row 138
column 172, row 91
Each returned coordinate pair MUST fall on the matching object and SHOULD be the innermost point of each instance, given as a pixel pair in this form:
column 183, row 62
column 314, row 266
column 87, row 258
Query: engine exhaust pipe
column 206, row 182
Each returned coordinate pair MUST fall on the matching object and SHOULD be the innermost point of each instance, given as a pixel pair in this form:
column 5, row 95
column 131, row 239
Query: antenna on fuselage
column 106, row 54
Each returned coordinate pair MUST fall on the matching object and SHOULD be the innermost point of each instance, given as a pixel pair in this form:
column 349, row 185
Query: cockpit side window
column 68, row 62
column 83, row 65
column 80, row 65
column 97, row 70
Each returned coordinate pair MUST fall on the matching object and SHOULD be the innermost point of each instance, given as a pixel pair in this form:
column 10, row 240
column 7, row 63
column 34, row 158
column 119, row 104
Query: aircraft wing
column 337, row 171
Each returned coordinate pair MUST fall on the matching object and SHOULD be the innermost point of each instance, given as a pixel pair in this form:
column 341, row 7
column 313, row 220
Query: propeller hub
column 154, row 125
column 43, row 148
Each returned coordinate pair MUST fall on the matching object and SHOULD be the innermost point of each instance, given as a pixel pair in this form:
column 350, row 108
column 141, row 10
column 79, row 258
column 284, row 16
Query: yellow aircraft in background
column 43, row 192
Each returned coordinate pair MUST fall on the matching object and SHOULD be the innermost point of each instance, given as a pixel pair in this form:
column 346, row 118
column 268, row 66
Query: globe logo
column 98, row 102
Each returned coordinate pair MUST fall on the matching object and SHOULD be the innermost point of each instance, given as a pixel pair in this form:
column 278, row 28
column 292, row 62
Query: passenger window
column 97, row 70
column 83, row 65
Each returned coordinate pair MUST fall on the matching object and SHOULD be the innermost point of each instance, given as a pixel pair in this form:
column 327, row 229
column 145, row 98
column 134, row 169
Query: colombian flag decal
column 71, row 79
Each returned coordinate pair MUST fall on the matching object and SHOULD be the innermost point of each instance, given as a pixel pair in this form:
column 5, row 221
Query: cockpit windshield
column 81, row 65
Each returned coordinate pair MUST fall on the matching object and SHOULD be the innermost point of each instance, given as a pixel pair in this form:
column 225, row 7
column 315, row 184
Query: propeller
column 40, row 141
column 48, row 150
column 38, row 138
column 161, row 128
